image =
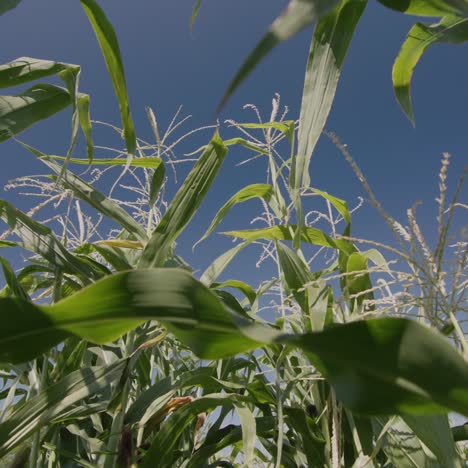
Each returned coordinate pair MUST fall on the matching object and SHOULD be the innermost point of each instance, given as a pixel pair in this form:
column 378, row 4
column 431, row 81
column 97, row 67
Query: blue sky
column 167, row 66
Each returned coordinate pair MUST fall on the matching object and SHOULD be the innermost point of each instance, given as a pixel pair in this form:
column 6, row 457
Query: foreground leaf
column 8, row 5
column 378, row 366
column 421, row 36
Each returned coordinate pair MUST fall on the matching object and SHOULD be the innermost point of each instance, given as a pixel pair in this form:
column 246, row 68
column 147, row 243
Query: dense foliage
column 113, row 352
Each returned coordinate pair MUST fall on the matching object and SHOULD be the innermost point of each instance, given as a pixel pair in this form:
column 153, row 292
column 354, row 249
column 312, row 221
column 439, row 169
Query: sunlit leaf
column 263, row 191
column 421, row 36
column 185, row 204
column 428, row 7
column 330, row 42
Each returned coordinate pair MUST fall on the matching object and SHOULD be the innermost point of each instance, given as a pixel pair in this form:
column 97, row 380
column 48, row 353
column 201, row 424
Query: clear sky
column 167, row 66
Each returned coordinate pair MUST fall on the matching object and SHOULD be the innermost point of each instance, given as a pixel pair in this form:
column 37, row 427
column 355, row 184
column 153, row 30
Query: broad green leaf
column 25, row 69
column 377, row 366
column 450, row 29
column 90, row 195
column 147, row 163
column 17, row 113
column 8, row 5
column 434, row 432
column 184, row 204
column 109, row 44
column 263, row 191
column 340, row 205
column 157, row 182
column 428, row 7
column 330, row 42
column 298, row 15
column 195, row 12
column 40, row 240
column 49, row 405
column 110, row 252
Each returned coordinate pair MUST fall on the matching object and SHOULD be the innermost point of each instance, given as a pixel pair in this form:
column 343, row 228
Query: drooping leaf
column 330, row 42
column 377, row 366
column 17, row 113
column 240, row 285
column 41, row 410
column 184, row 204
column 298, row 15
column 109, row 44
column 428, row 7
column 263, row 191
column 421, row 36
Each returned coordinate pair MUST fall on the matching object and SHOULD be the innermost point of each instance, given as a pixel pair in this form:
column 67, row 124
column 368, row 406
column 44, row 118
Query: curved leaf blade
column 420, row 37
column 109, row 44
column 428, row 7
column 378, row 366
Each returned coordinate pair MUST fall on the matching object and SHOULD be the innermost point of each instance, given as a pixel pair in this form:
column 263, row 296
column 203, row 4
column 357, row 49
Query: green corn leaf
column 109, row 44
column 358, row 286
column 90, row 195
column 49, row 405
column 184, row 204
column 286, row 127
column 377, row 366
column 240, row 285
column 12, row 281
column 435, row 433
column 162, row 452
column 421, row 36
column 157, row 182
column 263, row 191
column 328, row 49
column 17, row 113
column 40, row 240
column 25, row 69
column 428, row 7
column 285, row 232
column 211, row 274
column 195, row 11
column 147, row 163
column 298, row 15
column 8, row 5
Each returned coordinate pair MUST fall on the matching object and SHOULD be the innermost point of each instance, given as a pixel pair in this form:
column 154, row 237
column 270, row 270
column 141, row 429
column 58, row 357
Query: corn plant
column 115, row 351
